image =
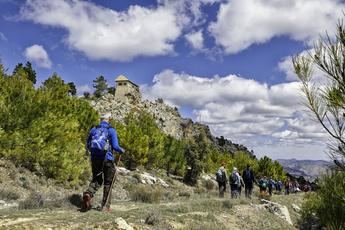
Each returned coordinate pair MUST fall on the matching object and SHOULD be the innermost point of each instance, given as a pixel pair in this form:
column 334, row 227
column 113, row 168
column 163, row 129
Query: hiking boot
column 86, row 205
column 103, row 209
column 106, row 209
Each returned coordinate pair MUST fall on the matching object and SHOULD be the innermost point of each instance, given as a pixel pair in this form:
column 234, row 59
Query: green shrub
column 327, row 205
column 44, row 129
column 146, row 194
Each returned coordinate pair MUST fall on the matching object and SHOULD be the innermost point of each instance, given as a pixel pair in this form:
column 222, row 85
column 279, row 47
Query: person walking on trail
column 221, row 179
column 101, row 142
column 287, row 185
column 240, row 185
column 271, row 185
column 263, row 185
column 279, row 186
column 234, row 180
column 248, row 179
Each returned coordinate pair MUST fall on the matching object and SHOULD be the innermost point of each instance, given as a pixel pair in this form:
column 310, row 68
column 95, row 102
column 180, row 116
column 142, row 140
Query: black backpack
column 220, row 176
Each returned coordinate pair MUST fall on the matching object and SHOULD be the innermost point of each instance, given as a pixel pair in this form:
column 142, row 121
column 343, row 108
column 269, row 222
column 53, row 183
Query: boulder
column 121, row 224
column 277, row 209
column 123, row 171
column 147, row 178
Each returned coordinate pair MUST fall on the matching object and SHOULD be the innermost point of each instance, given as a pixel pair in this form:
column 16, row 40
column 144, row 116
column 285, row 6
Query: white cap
column 234, row 169
column 106, row 115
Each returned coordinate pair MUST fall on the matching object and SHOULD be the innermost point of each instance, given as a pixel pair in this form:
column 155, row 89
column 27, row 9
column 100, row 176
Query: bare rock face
column 277, row 209
column 167, row 118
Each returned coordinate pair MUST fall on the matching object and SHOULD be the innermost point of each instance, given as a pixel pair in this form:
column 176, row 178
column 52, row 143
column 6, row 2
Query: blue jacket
column 114, row 143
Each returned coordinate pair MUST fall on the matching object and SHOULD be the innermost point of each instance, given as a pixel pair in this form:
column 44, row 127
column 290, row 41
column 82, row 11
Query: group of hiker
column 103, row 141
column 246, row 180
column 290, row 186
column 236, row 181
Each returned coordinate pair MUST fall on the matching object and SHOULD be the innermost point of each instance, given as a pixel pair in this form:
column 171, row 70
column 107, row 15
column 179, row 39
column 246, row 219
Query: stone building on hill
column 126, row 90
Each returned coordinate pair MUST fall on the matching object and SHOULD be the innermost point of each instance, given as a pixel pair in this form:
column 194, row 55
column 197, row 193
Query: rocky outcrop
column 167, row 118
column 277, row 209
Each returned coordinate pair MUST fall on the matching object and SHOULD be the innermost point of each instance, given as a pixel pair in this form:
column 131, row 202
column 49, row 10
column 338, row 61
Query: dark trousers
column 102, row 171
column 248, row 190
column 270, row 188
column 222, row 188
column 234, row 190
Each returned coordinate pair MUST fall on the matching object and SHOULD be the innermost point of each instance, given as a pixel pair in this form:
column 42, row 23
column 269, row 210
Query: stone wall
column 127, row 92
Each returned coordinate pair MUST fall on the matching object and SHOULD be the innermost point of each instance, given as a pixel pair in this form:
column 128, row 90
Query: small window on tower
column 120, row 83
column 124, row 83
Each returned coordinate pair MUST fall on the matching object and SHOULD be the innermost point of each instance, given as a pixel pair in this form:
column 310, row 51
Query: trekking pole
column 113, row 180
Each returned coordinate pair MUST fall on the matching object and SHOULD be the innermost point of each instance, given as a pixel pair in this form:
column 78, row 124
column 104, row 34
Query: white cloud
column 188, row 13
column 243, row 110
column 196, row 40
column 286, row 66
column 242, row 23
column 3, row 37
column 38, row 55
column 103, row 33
column 83, row 88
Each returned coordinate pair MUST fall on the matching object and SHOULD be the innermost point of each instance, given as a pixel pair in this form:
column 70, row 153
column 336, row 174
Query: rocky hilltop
column 168, row 119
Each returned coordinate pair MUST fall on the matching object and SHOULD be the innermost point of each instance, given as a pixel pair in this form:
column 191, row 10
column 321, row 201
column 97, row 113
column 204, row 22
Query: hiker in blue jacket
column 101, row 142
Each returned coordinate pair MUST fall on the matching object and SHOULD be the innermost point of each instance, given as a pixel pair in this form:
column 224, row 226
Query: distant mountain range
column 310, row 169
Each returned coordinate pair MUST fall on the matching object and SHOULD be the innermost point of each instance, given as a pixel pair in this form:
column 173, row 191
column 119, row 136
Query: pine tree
column 100, row 85
column 31, row 73
column 72, row 89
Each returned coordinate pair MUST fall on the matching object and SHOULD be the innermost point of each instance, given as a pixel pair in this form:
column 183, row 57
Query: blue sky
column 224, row 63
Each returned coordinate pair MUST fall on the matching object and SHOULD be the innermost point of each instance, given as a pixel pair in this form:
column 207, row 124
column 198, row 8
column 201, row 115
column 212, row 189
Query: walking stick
column 112, row 182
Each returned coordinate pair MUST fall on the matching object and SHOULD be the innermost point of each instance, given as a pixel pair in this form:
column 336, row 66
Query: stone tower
column 126, row 90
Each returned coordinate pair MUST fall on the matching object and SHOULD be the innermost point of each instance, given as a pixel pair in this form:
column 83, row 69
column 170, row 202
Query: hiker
column 221, row 179
column 241, row 184
column 287, row 185
column 263, row 185
column 101, row 142
column 271, row 185
column 234, row 180
column 248, row 179
column 279, row 186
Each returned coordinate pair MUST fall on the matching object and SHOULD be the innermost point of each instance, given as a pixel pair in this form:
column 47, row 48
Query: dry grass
column 146, row 194
column 8, row 194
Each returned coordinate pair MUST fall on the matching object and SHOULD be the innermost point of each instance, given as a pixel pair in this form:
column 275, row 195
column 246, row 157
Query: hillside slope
column 139, row 204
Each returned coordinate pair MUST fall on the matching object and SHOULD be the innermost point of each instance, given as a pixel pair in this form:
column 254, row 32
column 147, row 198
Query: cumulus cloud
column 242, row 23
column 188, row 13
column 286, row 66
column 196, row 40
column 83, row 88
column 103, row 33
column 241, row 109
column 38, row 55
